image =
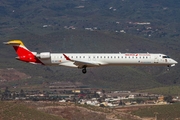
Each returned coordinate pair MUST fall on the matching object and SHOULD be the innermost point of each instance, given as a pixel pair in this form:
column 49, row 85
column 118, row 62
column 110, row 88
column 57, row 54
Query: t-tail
column 23, row 53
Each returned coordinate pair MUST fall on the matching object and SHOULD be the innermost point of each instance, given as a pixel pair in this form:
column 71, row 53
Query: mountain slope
column 116, row 77
column 61, row 26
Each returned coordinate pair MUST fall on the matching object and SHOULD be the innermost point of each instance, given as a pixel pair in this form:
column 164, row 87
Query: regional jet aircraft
column 84, row 60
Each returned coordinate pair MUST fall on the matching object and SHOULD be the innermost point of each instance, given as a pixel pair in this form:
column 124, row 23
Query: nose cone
column 175, row 62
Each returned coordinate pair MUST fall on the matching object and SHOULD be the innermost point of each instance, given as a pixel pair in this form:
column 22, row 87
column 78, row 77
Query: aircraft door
column 156, row 60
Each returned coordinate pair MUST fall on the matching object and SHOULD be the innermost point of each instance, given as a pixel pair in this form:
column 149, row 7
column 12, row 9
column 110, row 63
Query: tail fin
column 23, row 53
column 19, row 47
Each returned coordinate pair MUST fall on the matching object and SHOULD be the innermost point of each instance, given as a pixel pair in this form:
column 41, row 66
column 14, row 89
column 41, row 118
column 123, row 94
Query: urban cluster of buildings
column 82, row 94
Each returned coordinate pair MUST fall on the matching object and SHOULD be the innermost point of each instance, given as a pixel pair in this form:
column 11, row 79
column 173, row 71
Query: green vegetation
column 25, row 20
column 168, row 90
column 20, row 111
column 168, row 112
column 30, row 16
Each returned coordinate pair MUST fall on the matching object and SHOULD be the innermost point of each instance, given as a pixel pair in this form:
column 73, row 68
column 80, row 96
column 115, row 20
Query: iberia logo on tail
column 23, row 53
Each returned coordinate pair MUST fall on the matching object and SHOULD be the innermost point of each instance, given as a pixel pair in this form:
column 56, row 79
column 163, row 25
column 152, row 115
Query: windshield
column 165, row 56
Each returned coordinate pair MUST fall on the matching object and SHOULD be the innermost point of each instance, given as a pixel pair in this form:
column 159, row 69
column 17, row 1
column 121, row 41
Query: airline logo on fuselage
column 134, row 54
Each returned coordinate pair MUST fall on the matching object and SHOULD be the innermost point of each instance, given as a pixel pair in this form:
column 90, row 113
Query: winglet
column 67, row 58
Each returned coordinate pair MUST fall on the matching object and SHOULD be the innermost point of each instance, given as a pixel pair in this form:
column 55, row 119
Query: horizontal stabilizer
column 14, row 42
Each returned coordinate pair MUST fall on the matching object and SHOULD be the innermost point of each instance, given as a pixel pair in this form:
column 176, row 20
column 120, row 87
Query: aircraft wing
column 81, row 64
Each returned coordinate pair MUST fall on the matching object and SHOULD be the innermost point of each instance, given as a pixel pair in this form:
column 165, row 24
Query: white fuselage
column 84, row 60
column 103, row 59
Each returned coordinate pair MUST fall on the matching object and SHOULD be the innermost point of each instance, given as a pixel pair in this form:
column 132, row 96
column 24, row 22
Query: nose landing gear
column 168, row 68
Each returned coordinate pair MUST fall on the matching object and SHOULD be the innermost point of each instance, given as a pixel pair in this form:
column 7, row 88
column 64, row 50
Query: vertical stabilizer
column 19, row 47
column 23, row 53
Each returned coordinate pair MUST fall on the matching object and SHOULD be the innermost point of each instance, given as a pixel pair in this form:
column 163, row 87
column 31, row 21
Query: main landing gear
column 84, row 69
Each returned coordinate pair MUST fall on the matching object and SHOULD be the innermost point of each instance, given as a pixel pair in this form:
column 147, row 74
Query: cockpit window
column 165, row 56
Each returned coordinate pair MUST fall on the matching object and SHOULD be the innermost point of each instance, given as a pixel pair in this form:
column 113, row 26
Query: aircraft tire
column 84, row 71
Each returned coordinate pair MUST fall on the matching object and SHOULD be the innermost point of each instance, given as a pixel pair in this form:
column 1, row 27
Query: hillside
column 163, row 16
column 72, row 41
column 11, row 74
column 39, row 110
column 20, row 111
column 93, row 26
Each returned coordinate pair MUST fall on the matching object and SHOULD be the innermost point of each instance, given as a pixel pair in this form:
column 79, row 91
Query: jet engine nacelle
column 44, row 55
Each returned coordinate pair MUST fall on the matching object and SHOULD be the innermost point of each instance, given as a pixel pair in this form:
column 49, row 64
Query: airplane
column 84, row 60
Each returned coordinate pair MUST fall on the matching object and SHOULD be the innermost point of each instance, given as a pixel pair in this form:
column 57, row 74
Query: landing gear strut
column 168, row 68
column 84, row 70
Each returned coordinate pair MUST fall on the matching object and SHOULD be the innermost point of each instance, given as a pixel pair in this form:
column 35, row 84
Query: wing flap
column 80, row 64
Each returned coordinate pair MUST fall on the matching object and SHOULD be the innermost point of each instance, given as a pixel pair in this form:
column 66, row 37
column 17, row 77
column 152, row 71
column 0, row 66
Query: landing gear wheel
column 168, row 68
column 84, row 70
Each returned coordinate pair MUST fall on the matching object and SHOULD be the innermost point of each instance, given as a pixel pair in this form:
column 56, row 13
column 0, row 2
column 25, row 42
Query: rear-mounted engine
column 44, row 55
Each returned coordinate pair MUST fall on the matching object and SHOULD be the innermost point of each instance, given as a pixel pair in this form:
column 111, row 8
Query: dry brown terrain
column 11, row 74
column 71, row 111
